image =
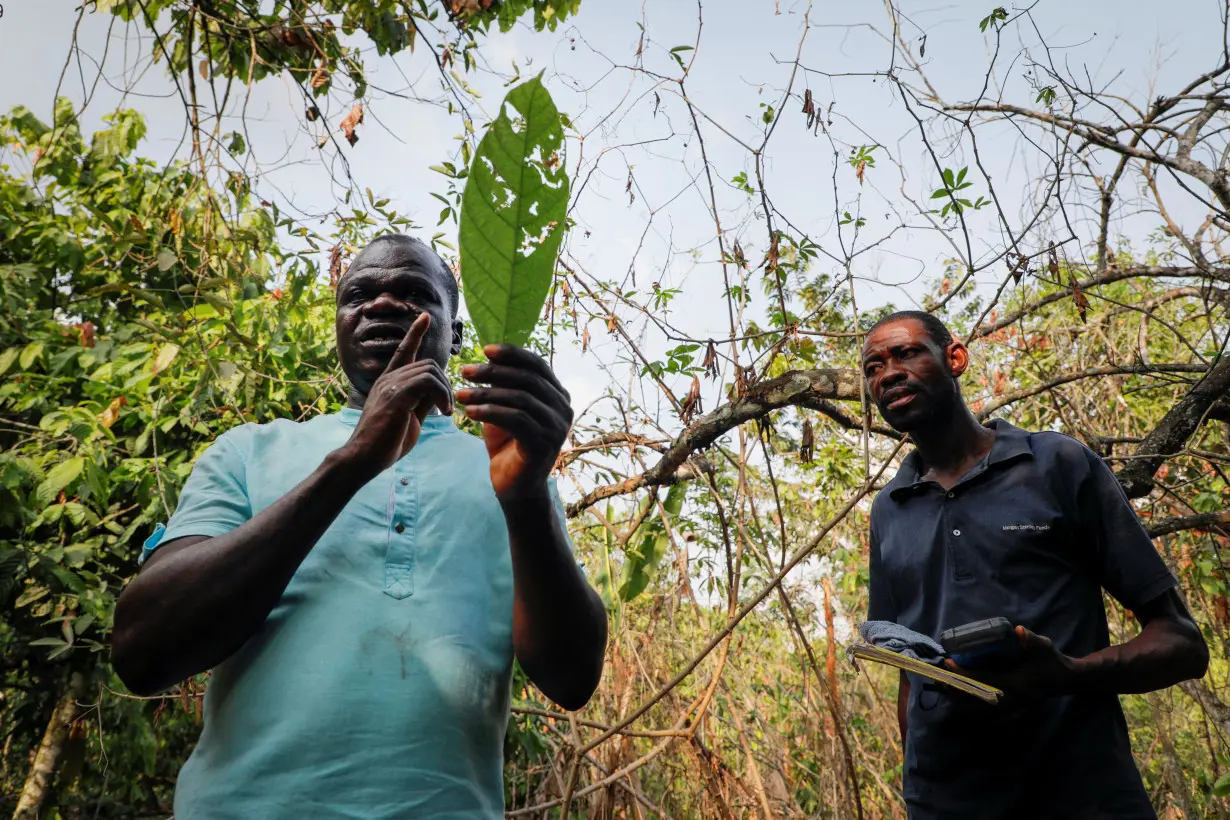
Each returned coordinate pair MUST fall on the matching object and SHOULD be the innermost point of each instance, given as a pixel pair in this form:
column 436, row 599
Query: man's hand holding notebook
column 970, row 645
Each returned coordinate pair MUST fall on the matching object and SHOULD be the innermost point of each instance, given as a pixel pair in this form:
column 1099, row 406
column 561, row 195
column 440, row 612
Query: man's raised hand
column 526, row 414
column 398, row 402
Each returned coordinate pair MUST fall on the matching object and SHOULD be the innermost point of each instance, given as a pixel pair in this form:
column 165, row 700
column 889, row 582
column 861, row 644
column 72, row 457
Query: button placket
column 402, row 515
column 955, row 539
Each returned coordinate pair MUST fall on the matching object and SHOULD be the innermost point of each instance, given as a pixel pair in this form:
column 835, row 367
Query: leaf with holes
column 512, row 216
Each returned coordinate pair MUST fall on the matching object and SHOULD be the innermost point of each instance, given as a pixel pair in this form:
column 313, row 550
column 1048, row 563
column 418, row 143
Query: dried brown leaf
column 1082, row 301
column 86, row 329
column 335, row 265
column 111, row 415
column 711, row 360
column 352, row 120
column 691, row 403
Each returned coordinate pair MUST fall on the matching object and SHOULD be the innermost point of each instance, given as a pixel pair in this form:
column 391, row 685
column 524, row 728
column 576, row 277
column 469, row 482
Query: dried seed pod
column 807, row 447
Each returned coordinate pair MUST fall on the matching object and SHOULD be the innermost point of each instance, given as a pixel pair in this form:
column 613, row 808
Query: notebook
column 978, row 689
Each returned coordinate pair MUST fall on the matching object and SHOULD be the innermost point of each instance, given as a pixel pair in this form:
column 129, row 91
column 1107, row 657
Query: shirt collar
column 435, row 422
column 1011, row 442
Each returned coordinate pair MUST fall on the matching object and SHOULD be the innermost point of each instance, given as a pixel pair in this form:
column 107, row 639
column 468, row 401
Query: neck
column 356, row 401
column 953, row 444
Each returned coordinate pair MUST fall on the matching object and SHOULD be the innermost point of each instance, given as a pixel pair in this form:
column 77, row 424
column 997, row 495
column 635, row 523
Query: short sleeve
column 214, row 500
column 1128, row 565
column 880, row 606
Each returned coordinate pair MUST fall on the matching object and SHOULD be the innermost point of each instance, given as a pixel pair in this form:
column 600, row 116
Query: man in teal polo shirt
column 360, row 582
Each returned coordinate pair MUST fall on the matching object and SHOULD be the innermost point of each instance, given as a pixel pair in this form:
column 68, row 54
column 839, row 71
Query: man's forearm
column 194, row 605
column 1167, row 651
column 559, row 622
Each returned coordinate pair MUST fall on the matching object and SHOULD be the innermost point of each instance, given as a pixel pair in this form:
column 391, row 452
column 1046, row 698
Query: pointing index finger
column 409, row 347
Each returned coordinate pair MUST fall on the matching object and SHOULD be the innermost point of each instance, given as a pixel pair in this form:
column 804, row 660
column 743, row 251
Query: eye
column 871, row 368
column 420, row 294
column 908, row 353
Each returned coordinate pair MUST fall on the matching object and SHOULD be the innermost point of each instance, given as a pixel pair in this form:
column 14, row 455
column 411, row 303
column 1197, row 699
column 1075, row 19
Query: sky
column 661, row 228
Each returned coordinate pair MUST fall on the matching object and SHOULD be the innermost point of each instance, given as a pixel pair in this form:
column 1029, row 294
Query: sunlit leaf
column 512, row 216
column 58, row 477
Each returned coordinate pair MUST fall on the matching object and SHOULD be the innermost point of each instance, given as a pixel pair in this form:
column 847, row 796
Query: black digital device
column 981, row 643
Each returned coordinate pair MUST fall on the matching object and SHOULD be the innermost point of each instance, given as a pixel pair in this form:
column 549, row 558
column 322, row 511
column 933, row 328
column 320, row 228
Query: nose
column 386, row 304
column 889, row 376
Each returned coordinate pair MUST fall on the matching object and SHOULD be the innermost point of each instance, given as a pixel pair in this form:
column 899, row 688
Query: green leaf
column 11, row 562
column 237, row 144
column 58, row 477
column 30, row 355
column 641, row 565
column 1222, row 787
column 7, row 358
column 164, row 358
column 48, row 642
column 512, row 217
column 166, row 259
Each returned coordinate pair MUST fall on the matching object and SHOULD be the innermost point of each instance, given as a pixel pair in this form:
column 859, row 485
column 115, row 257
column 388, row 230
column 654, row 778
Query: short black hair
column 450, row 281
column 937, row 330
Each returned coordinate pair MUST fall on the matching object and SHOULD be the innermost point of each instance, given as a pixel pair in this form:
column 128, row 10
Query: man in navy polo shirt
column 990, row 520
column 360, row 582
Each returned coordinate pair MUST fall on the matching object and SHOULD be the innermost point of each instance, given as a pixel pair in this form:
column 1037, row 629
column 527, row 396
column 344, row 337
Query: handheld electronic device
column 982, row 643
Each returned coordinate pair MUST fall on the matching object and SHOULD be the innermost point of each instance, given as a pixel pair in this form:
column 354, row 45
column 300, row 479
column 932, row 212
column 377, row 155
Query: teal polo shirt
column 379, row 685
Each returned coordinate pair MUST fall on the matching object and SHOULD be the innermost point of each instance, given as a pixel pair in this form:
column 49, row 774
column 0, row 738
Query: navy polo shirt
column 1033, row 533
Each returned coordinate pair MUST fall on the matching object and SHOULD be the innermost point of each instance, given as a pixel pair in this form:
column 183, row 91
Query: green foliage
column 955, row 182
column 310, row 39
column 677, row 55
column 995, row 19
column 512, row 216
column 740, row 181
column 641, row 563
column 137, row 326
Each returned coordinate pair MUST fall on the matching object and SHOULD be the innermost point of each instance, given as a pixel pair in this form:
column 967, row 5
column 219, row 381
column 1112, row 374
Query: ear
column 957, row 358
column 455, row 348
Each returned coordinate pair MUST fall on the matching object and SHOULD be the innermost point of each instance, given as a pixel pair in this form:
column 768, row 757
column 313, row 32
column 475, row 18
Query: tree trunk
column 42, row 772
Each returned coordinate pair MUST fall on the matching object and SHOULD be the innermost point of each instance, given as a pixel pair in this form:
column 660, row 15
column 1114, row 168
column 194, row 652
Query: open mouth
column 383, row 338
column 900, row 400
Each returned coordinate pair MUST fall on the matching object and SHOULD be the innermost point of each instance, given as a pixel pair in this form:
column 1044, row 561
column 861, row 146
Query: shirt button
column 950, row 494
column 954, row 532
column 400, row 527
column 406, row 481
